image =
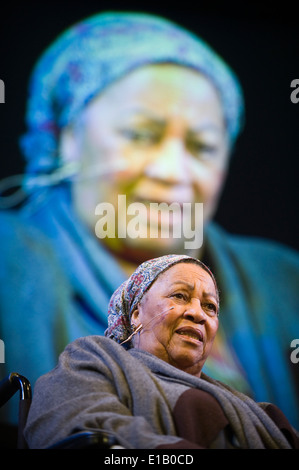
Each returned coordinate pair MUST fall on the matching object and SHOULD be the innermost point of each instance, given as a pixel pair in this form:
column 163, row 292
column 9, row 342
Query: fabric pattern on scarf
column 128, row 295
column 94, row 53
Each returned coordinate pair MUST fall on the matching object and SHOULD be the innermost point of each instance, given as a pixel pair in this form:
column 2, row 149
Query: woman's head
column 143, row 99
column 174, row 300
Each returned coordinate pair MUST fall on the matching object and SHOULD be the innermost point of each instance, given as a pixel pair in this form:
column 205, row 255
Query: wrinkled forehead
column 154, row 92
column 186, row 273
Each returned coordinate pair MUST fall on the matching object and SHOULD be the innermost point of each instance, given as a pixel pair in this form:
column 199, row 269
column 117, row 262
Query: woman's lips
column 164, row 214
column 162, row 191
column 190, row 332
column 149, row 200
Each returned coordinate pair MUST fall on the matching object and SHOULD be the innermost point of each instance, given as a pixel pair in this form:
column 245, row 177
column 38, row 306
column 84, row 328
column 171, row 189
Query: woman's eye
column 202, row 150
column 179, row 296
column 211, row 309
column 140, row 136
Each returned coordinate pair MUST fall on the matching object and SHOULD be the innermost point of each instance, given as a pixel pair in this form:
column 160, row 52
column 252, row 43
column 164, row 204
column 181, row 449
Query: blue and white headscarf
column 91, row 55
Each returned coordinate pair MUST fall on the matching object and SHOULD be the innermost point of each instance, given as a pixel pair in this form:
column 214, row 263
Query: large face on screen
column 159, row 135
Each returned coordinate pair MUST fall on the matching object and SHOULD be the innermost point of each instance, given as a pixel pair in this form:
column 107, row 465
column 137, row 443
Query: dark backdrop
column 260, row 42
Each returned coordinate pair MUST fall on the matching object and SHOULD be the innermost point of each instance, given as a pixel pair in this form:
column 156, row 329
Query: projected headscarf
column 94, row 53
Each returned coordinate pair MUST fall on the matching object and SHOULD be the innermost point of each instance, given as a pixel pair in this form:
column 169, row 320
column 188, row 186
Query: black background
column 261, row 43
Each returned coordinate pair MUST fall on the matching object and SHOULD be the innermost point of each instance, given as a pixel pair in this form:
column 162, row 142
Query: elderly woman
column 133, row 105
column 154, row 395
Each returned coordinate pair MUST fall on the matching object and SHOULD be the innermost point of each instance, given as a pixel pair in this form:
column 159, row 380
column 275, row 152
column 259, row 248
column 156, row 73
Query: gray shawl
column 99, row 385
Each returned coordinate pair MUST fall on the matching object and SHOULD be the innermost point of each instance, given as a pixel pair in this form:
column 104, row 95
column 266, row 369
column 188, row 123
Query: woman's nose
column 195, row 313
column 170, row 163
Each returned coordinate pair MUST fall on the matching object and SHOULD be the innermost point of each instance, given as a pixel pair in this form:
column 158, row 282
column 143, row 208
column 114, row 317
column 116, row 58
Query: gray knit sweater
column 146, row 403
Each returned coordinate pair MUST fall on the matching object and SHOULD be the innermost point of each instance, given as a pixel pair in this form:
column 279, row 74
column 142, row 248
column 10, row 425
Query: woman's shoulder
column 92, row 343
column 253, row 248
column 92, row 348
column 23, row 243
column 16, row 232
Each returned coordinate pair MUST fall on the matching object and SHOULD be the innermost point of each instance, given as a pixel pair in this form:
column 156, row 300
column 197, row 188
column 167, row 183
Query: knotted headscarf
column 129, row 294
column 91, row 55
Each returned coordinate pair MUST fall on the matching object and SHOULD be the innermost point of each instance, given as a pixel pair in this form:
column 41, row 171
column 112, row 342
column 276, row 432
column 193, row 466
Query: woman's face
column 182, row 336
column 159, row 135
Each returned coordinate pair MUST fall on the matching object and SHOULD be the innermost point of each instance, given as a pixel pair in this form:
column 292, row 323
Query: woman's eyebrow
column 144, row 112
column 187, row 284
column 191, row 287
column 211, row 294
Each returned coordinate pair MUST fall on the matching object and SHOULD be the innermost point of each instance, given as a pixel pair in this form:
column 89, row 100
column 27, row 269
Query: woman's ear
column 69, row 145
column 135, row 320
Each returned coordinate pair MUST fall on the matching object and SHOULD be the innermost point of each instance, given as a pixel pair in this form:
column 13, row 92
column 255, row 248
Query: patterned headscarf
column 91, row 55
column 129, row 294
